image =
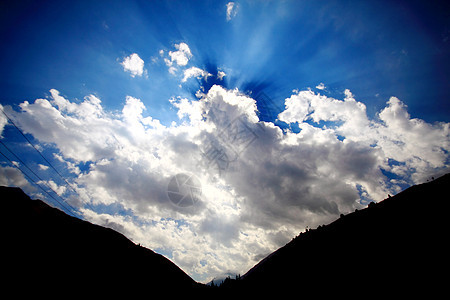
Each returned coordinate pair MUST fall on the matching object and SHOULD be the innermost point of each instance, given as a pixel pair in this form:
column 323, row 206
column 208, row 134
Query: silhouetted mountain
column 46, row 252
column 396, row 245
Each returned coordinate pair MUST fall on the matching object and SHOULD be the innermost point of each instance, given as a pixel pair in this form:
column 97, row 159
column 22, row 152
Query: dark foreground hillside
column 399, row 245
column 47, row 252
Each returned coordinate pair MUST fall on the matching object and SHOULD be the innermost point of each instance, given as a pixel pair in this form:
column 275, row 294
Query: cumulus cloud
column 43, row 167
column 231, row 10
column 195, row 72
column 260, row 185
column 134, row 65
column 59, row 189
column 75, row 123
column 221, row 75
column 180, row 57
column 413, row 142
column 11, row 176
column 320, row 86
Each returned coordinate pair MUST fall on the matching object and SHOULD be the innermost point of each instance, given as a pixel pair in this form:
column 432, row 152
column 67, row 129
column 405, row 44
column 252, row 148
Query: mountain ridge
column 396, row 245
column 97, row 259
column 399, row 240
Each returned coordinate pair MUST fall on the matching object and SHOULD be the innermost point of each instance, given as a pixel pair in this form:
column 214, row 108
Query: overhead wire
column 42, row 156
column 70, row 211
column 40, row 153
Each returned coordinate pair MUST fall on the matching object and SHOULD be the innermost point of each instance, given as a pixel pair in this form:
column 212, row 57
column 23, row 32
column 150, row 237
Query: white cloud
column 43, row 167
column 59, row 189
column 231, row 10
column 321, row 86
column 3, row 120
column 297, row 108
column 172, row 70
column 180, row 57
column 260, row 186
column 195, row 72
column 134, row 65
column 221, row 75
column 11, row 176
column 420, row 145
column 74, row 124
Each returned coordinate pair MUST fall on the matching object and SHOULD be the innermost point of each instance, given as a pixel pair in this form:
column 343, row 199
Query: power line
column 37, row 184
column 23, row 163
column 43, row 157
column 40, row 153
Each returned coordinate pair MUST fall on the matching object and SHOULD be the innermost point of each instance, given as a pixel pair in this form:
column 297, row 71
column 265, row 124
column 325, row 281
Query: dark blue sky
column 377, row 49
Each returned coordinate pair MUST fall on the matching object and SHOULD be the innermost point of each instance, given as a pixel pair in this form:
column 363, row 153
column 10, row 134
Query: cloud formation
column 180, row 57
column 231, row 10
column 11, row 176
column 133, row 64
column 195, row 72
column 3, row 120
column 260, row 185
column 321, row 86
column 412, row 143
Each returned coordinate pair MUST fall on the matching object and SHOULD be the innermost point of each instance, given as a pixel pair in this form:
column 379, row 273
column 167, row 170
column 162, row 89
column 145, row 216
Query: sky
column 213, row 132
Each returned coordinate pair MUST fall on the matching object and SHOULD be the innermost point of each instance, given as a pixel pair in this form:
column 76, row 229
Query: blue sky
column 351, row 97
column 380, row 48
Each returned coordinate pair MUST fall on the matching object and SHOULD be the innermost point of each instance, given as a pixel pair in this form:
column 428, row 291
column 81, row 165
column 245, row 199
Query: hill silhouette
column 49, row 252
column 396, row 245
